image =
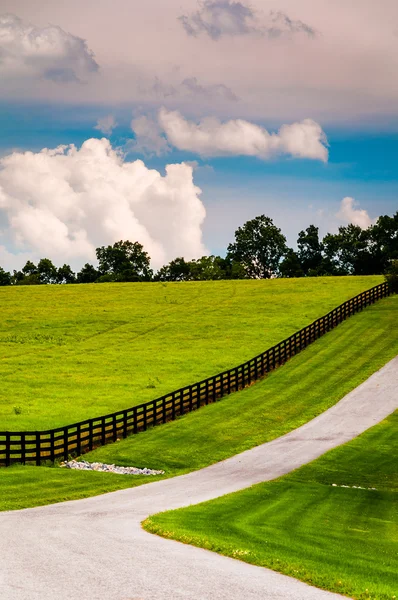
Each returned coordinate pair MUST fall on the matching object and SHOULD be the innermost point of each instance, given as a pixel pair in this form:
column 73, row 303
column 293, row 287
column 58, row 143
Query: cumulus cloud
column 348, row 213
column 189, row 87
column 219, row 18
column 210, row 137
column 218, row 90
column 65, row 202
column 149, row 139
column 282, row 24
column 46, row 52
column 106, row 124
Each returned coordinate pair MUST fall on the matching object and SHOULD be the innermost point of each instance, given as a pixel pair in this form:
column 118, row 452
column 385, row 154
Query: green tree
column 391, row 276
column 291, row 265
column 207, row 268
column 47, row 271
column 29, row 268
column 65, row 275
column 125, row 261
column 310, row 251
column 384, row 241
column 259, row 246
column 88, row 274
column 28, row 276
column 348, row 252
column 177, row 270
column 5, row 277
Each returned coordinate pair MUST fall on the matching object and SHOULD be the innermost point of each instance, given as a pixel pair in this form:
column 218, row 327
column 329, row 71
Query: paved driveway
column 95, row 549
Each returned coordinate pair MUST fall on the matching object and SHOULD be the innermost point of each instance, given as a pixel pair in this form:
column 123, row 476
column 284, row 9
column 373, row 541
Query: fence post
column 78, row 440
column 8, row 449
column 23, row 448
column 52, row 447
column 103, row 436
column 38, row 448
column 66, row 445
column 114, row 428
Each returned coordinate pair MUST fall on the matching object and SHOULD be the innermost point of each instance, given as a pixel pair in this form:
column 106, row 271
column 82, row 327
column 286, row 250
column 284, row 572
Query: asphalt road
column 95, row 549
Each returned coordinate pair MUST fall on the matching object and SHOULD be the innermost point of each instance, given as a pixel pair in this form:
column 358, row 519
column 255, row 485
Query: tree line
column 259, row 251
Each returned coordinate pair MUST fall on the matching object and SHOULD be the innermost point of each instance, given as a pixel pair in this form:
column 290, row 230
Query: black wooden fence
column 72, row 440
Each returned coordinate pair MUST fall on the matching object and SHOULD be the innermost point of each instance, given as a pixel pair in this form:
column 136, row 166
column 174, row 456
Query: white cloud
column 148, row 137
column 349, row 214
column 106, row 124
column 210, row 137
column 217, row 90
column 219, row 18
column 63, row 203
column 190, row 87
column 45, row 52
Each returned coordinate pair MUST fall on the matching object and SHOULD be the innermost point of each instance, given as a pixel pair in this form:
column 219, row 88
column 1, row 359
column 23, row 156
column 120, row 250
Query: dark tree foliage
column 124, row 261
column 5, row 277
column 88, row 274
column 310, row 251
column 65, row 275
column 47, row 271
column 259, row 246
column 29, row 275
column 207, row 268
column 349, row 252
column 29, row 269
column 259, row 251
column 392, row 276
column 384, row 241
column 177, row 270
column 201, row 269
column 291, row 265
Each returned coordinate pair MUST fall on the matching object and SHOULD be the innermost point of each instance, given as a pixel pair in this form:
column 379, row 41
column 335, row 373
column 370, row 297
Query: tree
column 65, row 275
column 28, row 276
column 291, row 265
column 88, row 274
column 5, row 277
column 177, row 270
column 207, row 268
column 348, row 252
column 47, row 271
column 126, row 261
column 384, row 241
column 259, row 246
column 391, row 276
column 29, row 268
column 310, row 251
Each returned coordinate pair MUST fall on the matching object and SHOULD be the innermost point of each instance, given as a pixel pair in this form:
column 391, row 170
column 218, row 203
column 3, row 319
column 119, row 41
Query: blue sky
column 362, row 164
column 329, row 77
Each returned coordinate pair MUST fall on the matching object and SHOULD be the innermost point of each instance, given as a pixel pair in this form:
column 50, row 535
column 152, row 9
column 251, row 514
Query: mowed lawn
column 306, row 525
column 304, row 387
column 77, row 351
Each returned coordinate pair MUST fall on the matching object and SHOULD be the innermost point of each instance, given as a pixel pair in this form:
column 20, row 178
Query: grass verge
column 307, row 385
column 343, row 539
column 68, row 353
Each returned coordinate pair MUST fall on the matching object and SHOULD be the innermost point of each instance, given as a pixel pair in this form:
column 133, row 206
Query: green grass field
column 72, row 352
column 304, row 387
column 343, row 539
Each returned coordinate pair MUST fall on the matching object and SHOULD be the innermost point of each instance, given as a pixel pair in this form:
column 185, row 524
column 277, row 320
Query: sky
column 172, row 123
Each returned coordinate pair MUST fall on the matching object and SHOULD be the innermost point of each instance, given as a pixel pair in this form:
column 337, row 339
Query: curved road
column 95, row 549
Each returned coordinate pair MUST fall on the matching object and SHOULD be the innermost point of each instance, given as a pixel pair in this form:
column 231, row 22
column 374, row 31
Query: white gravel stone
column 84, row 465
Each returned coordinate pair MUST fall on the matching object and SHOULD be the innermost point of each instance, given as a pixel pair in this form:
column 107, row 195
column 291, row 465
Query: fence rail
column 61, row 443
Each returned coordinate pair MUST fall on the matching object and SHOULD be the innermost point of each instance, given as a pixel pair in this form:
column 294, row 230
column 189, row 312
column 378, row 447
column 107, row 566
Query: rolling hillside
column 72, row 352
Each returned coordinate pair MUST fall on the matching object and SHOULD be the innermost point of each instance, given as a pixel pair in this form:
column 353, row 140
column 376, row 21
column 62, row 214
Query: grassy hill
column 72, row 352
column 332, row 523
column 304, row 387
